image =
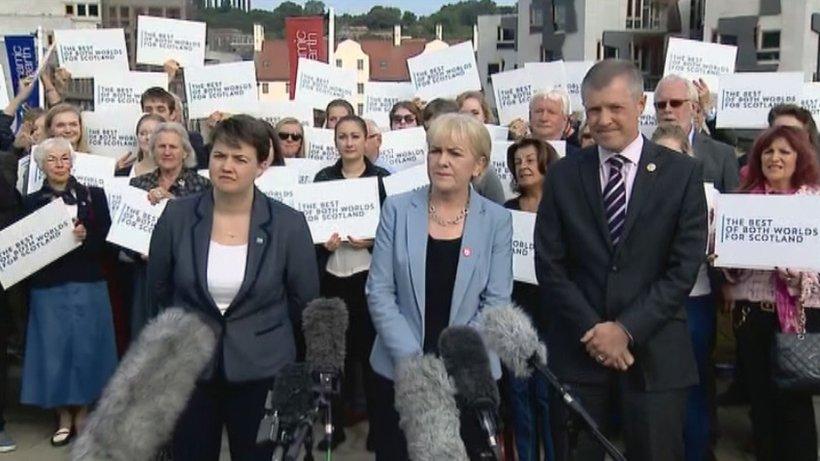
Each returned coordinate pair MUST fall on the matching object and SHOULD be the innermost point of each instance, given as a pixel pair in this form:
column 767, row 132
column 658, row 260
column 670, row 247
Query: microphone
column 144, row 398
column 509, row 332
column 466, row 360
column 289, row 412
column 428, row 415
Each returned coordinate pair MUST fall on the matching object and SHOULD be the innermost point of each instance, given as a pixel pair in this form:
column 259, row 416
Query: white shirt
column 226, row 270
column 346, row 261
column 632, row 152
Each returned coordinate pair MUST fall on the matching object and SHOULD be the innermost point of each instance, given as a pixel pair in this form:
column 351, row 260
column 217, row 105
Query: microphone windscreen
column 510, row 334
column 144, row 398
column 293, row 393
column 465, row 358
column 324, row 322
column 428, row 415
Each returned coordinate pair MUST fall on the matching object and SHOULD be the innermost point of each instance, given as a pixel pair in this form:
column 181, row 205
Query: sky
column 420, row 7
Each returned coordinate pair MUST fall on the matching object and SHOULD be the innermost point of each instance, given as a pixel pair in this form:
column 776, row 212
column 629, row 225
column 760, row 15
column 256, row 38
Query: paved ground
column 32, row 428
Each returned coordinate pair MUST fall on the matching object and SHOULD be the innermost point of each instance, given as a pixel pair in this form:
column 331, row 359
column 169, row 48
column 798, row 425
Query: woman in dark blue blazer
column 245, row 263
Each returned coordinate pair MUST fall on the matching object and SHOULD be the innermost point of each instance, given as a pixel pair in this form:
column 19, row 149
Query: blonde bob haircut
column 173, row 127
column 482, row 101
column 463, row 130
column 42, row 150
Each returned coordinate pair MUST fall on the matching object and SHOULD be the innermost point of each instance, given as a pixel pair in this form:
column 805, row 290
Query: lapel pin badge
column 651, row 167
column 467, row 252
column 259, row 240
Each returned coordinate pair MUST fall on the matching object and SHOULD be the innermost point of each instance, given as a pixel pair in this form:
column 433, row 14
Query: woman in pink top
column 782, row 161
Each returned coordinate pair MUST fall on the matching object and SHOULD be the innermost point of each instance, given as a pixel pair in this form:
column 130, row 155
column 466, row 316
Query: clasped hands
column 608, row 344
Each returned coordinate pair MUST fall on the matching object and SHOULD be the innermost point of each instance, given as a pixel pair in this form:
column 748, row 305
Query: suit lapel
column 202, row 241
column 471, row 242
column 642, row 187
column 417, row 246
column 258, row 242
column 591, row 183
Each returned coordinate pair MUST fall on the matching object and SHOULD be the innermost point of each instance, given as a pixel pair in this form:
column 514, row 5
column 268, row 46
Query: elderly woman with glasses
column 70, row 349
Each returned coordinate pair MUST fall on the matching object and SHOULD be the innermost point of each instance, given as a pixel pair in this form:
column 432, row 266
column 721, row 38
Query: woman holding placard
column 70, row 349
column 244, row 264
column 337, row 110
column 345, row 262
column 447, row 239
column 291, row 138
column 65, row 121
column 140, row 161
column 782, row 161
column 528, row 160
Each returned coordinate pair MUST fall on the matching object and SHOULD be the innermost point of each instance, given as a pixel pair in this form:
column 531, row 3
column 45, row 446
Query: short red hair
column 806, row 171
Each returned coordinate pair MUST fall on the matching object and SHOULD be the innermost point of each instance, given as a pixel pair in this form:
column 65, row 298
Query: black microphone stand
column 328, row 385
column 610, row 448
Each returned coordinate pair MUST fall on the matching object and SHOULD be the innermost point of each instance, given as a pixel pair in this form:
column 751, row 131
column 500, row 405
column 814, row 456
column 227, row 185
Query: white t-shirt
column 226, row 270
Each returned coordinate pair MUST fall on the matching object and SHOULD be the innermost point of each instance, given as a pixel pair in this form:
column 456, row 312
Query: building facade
column 244, row 5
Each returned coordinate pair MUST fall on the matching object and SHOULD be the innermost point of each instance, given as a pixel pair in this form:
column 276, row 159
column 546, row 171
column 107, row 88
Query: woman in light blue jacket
column 442, row 253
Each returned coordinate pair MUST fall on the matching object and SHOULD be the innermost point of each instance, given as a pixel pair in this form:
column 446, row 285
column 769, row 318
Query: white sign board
column 445, row 73
column 111, row 133
column 86, row 52
column 321, row 145
column 402, row 149
column 279, row 183
column 576, row 71
column 4, row 91
column 498, row 133
column 379, row 98
column 274, row 111
column 513, row 90
column 406, row 180
column 560, row 147
column 498, row 159
column 523, row 247
column 161, row 39
column 757, row 231
column 123, row 90
column 22, row 174
column 318, row 83
column 307, row 168
column 811, row 99
column 135, row 220
column 36, row 176
column 113, row 193
column 229, row 87
column 547, row 76
column 93, row 170
column 744, row 99
column 349, row 207
column 693, row 59
column 648, row 121
column 35, row 241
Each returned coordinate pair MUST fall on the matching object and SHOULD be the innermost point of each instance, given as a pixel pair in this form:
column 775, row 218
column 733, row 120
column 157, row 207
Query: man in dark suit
column 620, row 233
column 676, row 102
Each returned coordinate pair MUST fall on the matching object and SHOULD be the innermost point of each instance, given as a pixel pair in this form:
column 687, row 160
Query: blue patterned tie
column 615, row 198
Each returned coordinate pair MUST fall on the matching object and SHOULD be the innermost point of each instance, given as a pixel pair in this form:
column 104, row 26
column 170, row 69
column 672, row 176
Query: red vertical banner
column 305, row 39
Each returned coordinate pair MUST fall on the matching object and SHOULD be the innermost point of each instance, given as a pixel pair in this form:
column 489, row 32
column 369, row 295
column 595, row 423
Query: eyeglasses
column 409, row 118
column 673, row 103
column 292, row 136
column 58, row 160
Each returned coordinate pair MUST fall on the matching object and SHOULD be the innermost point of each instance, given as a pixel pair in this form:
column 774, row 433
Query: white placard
column 118, row 91
column 321, row 145
column 379, row 98
column 546, row 76
column 229, row 87
column 560, row 147
column 445, row 73
column 135, row 220
column 712, row 196
column 111, row 133
column 36, row 176
column 498, row 133
column 318, row 83
column 161, row 39
column 93, row 170
column 113, row 193
column 274, row 111
column 811, row 99
column 498, row 159
column 280, row 183
column 4, row 91
column 744, row 99
column 348, row 206
column 648, row 121
column 513, row 90
column 307, row 168
column 402, row 149
column 523, row 247
column 758, row 231
column 22, row 174
column 35, row 241
column 85, row 52
column 406, row 180
column 692, row 59
column 576, row 71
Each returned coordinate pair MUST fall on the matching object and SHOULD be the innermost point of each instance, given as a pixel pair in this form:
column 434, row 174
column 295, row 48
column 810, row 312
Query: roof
column 388, row 63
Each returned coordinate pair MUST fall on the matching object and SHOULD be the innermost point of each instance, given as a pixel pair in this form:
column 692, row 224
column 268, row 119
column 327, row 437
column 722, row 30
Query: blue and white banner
column 22, row 53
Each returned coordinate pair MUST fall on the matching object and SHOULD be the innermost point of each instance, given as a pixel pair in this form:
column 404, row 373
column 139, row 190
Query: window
column 360, row 88
column 155, row 12
column 265, row 88
column 610, row 52
column 287, row 87
column 383, row 65
column 559, row 15
column 81, row 9
column 338, row 63
column 492, row 68
column 728, row 39
column 360, row 64
column 125, row 11
column 93, row 10
column 505, row 34
column 360, row 107
column 172, row 13
column 769, row 49
column 112, row 11
column 536, row 14
column 69, row 10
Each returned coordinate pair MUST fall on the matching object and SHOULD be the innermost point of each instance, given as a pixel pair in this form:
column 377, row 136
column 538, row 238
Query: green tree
column 381, row 17
column 314, row 7
column 408, row 18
